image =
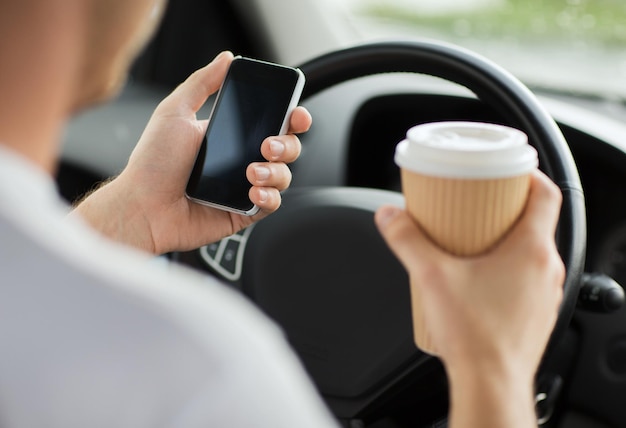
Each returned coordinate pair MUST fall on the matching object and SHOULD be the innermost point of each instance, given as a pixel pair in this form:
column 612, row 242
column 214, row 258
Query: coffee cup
column 465, row 184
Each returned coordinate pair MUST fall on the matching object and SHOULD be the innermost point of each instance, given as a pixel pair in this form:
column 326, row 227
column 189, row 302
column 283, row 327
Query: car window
column 562, row 45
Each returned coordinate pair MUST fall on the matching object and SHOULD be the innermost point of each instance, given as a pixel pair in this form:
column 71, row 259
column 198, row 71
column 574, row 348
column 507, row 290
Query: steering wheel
column 320, row 269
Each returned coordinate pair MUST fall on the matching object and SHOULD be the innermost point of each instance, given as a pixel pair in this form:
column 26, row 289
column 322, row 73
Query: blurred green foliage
column 601, row 21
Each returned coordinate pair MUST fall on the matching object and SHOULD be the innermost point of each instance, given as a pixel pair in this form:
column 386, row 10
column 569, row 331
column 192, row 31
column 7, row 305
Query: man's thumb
column 404, row 237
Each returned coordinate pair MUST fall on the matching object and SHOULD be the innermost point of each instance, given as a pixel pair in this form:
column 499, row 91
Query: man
column 94, row 334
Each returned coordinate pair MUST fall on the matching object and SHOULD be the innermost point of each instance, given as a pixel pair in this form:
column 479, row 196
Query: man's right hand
column 491, row 316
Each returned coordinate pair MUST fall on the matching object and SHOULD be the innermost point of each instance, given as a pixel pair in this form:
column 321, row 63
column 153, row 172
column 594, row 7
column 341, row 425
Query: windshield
column 574, row 46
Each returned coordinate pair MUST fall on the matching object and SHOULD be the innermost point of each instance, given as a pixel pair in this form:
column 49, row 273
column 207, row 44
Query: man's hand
column 489, row 317
column 146, row 206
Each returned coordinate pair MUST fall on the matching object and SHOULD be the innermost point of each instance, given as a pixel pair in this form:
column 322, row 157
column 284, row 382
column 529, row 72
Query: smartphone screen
column 254, row 102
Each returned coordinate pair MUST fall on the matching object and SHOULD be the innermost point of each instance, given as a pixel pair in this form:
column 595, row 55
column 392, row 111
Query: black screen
column 251, row 106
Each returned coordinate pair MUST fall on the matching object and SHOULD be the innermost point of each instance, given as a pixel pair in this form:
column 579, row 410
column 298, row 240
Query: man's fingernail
column 277, row 148
column 385, row 215
column 263, row 195
column 262, row 173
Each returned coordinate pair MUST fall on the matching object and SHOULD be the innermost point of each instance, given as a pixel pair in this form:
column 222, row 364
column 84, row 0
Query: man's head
column 117, row 30
column 59, row 56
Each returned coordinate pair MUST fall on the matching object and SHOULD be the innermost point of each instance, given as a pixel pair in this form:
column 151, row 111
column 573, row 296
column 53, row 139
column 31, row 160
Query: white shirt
column 93, row 334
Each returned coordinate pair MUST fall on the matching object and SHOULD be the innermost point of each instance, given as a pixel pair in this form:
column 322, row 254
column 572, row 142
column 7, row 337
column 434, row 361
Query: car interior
column 342, row 298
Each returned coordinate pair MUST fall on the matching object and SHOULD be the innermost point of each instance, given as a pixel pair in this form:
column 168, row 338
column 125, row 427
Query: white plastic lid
column 466, row 150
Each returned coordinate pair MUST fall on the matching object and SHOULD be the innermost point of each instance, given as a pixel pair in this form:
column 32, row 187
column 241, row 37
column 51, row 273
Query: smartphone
column 254, row 102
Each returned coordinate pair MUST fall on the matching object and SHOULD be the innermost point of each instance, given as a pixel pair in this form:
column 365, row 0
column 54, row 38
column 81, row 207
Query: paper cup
column 465, row 184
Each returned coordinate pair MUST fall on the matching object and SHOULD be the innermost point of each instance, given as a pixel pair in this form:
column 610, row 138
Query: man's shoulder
column 75, row 267
column 109, row 326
